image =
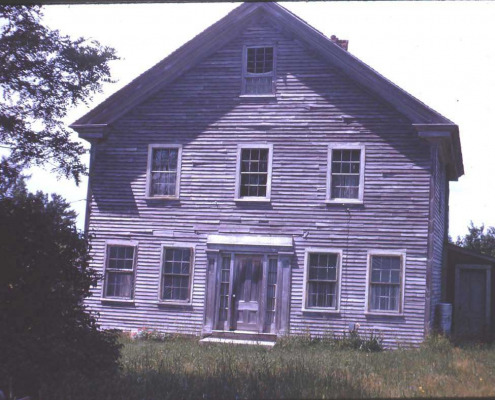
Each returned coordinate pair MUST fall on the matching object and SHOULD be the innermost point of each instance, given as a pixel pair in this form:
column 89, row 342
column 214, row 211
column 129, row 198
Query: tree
column 46, row 333
column 479, row 240
column 43, row 74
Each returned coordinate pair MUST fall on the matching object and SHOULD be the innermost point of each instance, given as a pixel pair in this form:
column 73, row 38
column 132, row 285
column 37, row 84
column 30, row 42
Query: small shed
column 469, row 288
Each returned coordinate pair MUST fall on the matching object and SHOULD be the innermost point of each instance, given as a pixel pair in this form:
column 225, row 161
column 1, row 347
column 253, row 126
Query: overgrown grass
column 181, row 368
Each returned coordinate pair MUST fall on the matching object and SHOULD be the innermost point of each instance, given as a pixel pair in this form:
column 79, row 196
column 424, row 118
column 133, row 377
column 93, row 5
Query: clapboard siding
column 315, row 106
column 440, row 231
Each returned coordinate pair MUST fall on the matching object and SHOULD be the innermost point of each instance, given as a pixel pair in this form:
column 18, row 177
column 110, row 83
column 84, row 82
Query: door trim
column 457, row 287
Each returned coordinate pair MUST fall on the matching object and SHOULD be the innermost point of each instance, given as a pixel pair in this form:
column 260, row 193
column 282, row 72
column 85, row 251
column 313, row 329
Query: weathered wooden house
column 261, row 180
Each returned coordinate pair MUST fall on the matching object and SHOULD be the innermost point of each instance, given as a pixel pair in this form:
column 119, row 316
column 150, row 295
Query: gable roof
column 429, row 123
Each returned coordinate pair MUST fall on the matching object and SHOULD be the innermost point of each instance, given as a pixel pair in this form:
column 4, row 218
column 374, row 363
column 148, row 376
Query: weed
column 328, row 366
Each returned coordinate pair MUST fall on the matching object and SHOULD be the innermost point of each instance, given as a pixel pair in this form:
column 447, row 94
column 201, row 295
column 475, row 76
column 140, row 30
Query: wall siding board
column 315, row 105
column 440, row 229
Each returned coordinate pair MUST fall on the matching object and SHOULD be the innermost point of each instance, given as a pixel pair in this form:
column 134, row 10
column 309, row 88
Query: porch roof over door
column 286, row 242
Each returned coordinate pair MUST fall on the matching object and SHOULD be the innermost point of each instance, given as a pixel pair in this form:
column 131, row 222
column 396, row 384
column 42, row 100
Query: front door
column 248, row 288
column 246, row 292
column 472, row 301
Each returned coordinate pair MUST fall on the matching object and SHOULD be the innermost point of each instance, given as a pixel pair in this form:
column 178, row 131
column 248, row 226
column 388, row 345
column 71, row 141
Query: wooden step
column 245, row 335
column 211, row 339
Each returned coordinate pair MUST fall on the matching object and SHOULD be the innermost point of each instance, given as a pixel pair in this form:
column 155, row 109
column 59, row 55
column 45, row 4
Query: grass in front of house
column 181, row 368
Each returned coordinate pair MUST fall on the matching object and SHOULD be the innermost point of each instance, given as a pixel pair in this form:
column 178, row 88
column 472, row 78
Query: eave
column 447, row 136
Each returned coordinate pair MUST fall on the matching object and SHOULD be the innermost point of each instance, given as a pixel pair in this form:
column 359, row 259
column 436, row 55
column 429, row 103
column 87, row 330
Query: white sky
column 443, row 53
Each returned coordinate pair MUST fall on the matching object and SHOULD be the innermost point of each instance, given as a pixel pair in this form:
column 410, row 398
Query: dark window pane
column 119, row 285
column 322, row 294
column 385, row 283
column 120, row 257
column 258, row 85
column 176, row 273
column 322, row 280
column 259, row 60
column 164, row 172
column 345, row 174
column 254, row 172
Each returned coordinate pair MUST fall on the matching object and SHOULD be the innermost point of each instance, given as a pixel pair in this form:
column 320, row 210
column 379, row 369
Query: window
column 164, row 170
column 346, row 174
column 254, row 172
column 322, row 280
column 119, row 272
column 385, row 280
column 176, row 274
column 258, row 70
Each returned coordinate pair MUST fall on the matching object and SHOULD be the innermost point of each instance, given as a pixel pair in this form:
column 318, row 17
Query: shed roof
column 470, row 253
column 429, row 123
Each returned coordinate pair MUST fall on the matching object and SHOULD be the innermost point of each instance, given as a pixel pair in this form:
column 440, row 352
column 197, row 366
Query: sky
column 442, row 53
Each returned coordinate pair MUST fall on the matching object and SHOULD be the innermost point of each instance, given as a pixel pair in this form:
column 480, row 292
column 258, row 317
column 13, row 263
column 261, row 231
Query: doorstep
column 211, row 339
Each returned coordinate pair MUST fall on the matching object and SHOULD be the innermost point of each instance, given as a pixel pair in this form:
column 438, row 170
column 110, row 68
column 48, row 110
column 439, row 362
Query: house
column 262, row 181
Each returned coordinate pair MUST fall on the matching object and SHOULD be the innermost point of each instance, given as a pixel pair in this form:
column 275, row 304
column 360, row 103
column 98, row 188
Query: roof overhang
column 447, row 137
column 91, row 132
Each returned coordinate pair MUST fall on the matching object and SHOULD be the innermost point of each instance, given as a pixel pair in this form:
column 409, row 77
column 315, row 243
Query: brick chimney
column 340, row 42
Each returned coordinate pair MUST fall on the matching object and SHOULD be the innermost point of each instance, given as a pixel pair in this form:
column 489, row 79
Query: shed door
column 246, row 292
column 472, row 314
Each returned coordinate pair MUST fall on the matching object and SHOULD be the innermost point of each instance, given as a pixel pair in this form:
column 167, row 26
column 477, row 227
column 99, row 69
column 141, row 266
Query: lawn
column 180, row 368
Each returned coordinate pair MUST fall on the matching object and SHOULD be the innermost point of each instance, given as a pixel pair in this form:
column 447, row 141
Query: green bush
column 45, row 332
column 437, row 343
column 347, row 341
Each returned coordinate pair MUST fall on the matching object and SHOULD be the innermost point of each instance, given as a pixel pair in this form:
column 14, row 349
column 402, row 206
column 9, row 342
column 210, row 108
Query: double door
column 247, row 293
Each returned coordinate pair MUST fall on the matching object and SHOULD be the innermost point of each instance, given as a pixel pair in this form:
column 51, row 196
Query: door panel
column 246, row 292
column 471, row 302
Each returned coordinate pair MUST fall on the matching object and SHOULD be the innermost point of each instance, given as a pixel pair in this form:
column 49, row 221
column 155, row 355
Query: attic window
column 258, row 71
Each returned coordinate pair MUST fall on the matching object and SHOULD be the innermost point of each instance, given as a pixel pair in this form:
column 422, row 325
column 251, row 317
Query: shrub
column 355, row 340
column 151, row 334
column 347, row 341
column 45, row 331
column 437, row 343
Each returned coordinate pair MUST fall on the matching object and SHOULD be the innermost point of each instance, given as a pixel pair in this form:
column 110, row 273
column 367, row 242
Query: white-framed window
column 164, row 164
column 385, row 291
column 120, row 267
column 258, row 70
column 254, row 172
column 345, row 176
column 176, row 275
column 322, row 279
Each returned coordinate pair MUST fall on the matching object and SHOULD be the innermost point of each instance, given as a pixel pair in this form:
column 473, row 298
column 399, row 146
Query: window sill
column 117, row 301
column 173, row 303
column 161, row 198
column 320, row 310
column 383, row 314
column 252, row 200
column 258, row 96
column 344, row 201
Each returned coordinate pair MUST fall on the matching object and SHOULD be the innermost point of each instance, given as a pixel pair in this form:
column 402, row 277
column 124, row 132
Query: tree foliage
column 45, row 331
column 43, row 74
column 479, row 239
